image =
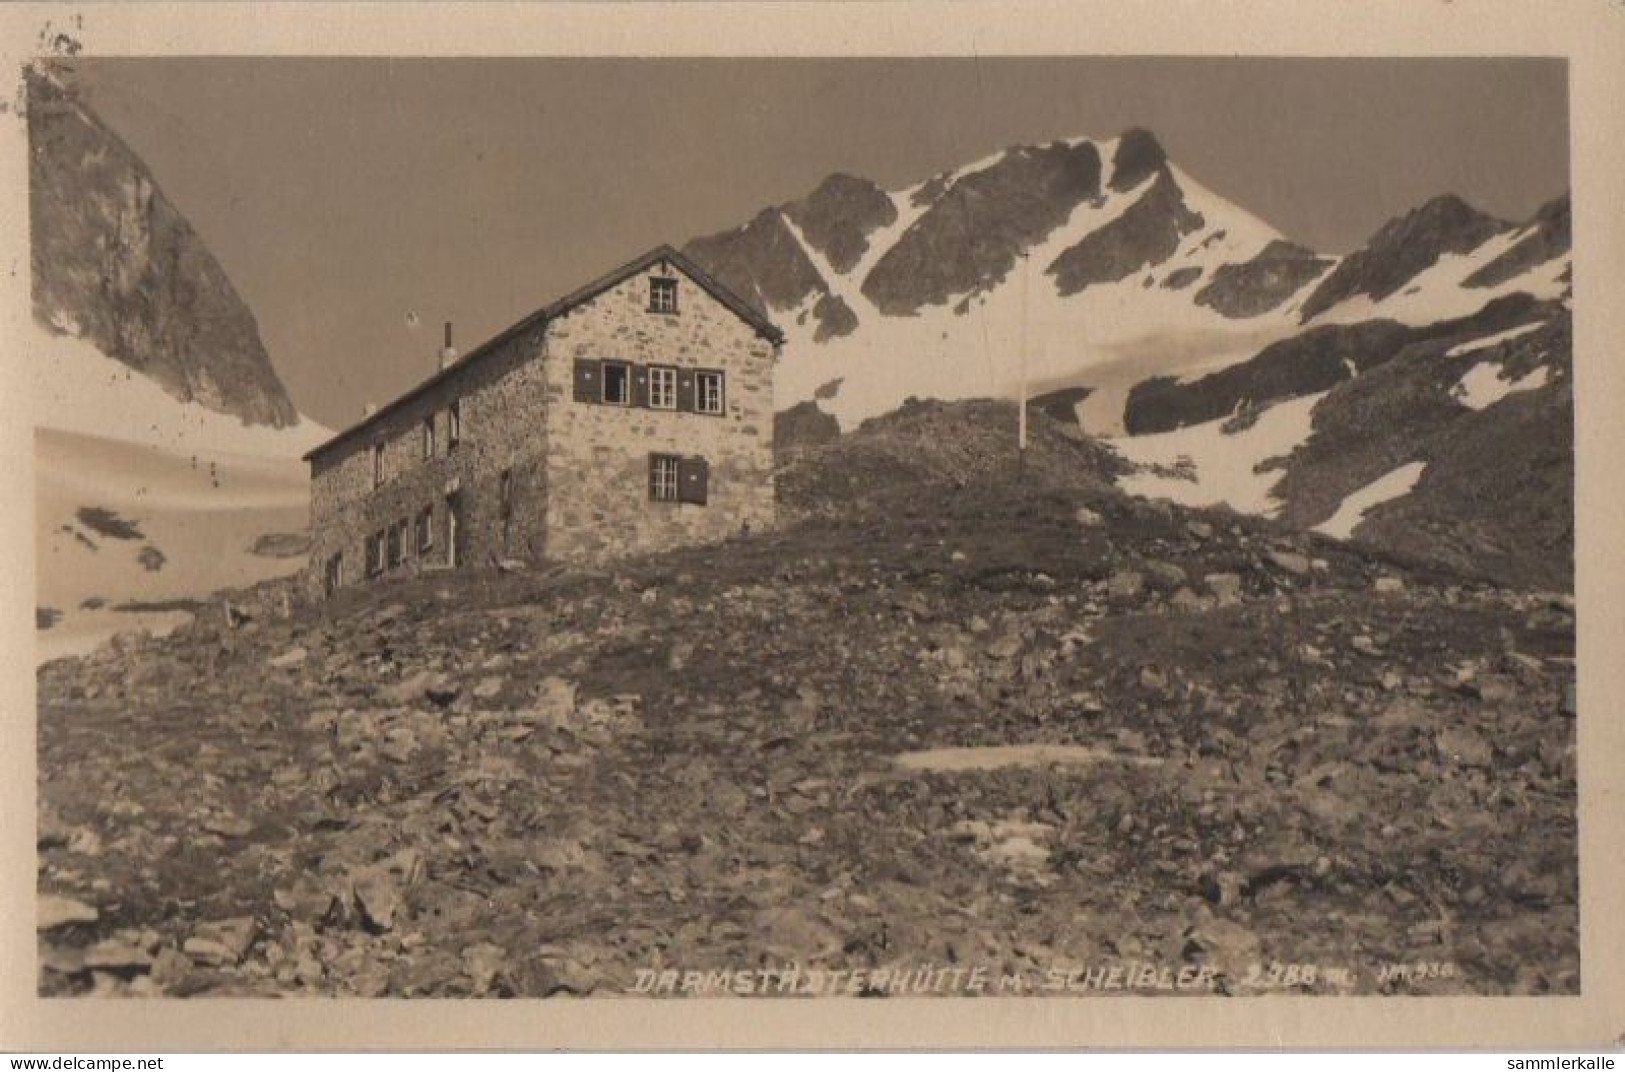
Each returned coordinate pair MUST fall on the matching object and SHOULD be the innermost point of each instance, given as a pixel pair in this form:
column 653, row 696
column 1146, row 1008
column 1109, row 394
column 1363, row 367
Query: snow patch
column 1385, row 488
column 1485, row 384
column 1203, row 465
column 1497, row 339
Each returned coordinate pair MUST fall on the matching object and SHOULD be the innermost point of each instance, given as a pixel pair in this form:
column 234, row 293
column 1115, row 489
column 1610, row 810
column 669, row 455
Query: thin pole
column 1021, row 405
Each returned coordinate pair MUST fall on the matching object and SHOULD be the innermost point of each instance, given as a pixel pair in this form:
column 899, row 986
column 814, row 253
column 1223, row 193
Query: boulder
column 52, row 911
column 1225, row 587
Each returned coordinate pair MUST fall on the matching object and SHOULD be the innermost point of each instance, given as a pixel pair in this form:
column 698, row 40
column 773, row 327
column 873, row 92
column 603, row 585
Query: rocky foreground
column 961, row 721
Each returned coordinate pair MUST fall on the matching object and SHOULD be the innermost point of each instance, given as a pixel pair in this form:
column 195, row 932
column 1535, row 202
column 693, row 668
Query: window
column 375, row 554
column 662, row 387
column 617, row 383
column 425, row 533
column 396, row 531
column 505, row 493
column 663, row 477
column 333, row 578
column 428, row 437
column 454, row 425
column 377, row 465
column 662, row 295
column 708, row 392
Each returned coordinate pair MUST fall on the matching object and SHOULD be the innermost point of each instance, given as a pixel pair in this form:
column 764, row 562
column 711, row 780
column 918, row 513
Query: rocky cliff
column 116, row 264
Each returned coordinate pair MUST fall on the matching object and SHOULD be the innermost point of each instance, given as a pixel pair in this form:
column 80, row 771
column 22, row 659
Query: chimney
column 448, row 353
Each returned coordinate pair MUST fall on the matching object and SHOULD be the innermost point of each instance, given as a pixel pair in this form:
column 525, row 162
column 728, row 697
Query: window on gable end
column 377, row 465
column 454, row 425
column 428, row 437
column 662, row 295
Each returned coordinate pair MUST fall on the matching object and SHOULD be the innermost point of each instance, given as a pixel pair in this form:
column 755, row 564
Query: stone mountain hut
column 635, row 414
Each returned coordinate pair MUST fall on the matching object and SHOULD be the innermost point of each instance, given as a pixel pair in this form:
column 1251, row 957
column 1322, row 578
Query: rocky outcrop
column 802, row 425
column 1147, row 233
column 1254, row 287
column 762, row 262
column 970, row 237
column 1402, row 249
column 838, row 217
column 1139, row 156
column 115, row 263
column 1497, row 495
column 1551, row 237
column 835, row 318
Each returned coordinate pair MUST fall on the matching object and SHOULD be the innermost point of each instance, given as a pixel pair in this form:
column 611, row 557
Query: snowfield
column 1385, row 488
column 189, row 490
column 1216, row 467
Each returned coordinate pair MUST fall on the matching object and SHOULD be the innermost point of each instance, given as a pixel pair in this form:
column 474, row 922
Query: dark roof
column 552, row 311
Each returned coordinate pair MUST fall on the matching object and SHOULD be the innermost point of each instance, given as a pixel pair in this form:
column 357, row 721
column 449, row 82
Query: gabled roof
column 764, row 327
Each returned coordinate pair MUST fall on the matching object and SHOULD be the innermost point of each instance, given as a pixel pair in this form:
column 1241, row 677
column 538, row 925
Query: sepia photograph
column 1039, row 528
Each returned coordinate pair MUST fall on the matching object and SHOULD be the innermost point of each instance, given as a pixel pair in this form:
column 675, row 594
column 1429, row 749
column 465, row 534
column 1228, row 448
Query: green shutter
column 589, row 380
column 693, row 480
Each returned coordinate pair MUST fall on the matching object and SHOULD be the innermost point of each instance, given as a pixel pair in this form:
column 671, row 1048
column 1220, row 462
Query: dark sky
column 342, row 194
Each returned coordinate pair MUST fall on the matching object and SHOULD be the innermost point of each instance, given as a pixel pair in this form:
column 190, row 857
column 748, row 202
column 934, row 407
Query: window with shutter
column 664, row 477
column 694, row 478
column 454, row 425
column 587, row 380
column 617, row 378
column 428, row 437
column 395, row 532
column 708, row 392
column 662, row 387
column 425, row 533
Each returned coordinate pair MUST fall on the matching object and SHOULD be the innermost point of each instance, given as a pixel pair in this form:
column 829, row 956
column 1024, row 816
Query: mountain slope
column 954, row 717
column 1089, row 266
column 114, row 263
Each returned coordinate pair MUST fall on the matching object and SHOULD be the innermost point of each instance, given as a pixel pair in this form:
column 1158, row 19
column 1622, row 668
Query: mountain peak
column 1139, row 155
column 1404, row 247
column 839, row 215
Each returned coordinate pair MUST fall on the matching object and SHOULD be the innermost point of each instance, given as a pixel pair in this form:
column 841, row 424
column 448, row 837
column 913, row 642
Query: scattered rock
column 1225, row 587
column 1388, row 585
column 1294, row 563
column 291, row 658
column 1464, row 746
column 1124, row 586
column 377, row 899
column 1164, row 576
column 52, row 911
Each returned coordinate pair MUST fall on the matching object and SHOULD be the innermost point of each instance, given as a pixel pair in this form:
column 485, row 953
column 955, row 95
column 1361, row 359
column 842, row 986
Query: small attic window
column 662, row 295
